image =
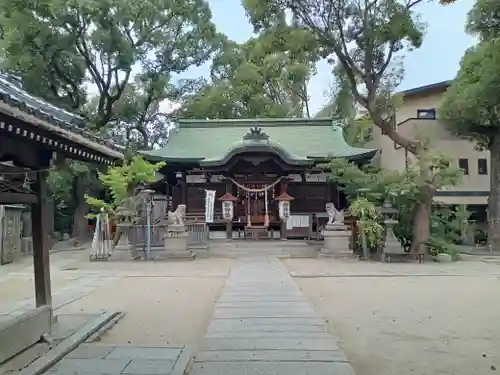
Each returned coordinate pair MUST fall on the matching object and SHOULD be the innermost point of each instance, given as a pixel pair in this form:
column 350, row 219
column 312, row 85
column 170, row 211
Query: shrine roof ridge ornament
column 251, row 122
column 256, row 133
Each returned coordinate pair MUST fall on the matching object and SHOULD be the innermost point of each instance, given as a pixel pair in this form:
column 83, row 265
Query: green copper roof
column 298, row 141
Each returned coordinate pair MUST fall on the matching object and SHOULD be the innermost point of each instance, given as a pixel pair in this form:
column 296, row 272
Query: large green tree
column 127, row 51
column 471, row 106
column 64, row 44
column 266, row 76
column 367, row 41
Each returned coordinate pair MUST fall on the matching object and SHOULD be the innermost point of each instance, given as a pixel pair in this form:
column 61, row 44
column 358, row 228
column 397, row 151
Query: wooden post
column 168, row 194
column 183, row 190
column 41, row 246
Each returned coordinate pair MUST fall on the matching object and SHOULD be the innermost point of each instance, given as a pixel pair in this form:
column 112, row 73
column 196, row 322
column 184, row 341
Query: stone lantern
column 123, row 225
column 284, row 200
column 391, row 243
column 228, row 200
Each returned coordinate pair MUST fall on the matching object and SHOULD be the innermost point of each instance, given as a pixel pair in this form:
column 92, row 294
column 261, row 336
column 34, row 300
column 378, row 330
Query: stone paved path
column 263, row 325
column 96, row 359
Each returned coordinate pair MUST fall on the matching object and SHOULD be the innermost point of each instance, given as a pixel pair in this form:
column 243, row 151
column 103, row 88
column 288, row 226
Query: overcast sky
column 437, row 59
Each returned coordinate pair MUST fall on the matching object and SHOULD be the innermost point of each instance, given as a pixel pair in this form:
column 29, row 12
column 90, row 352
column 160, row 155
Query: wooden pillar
column 41, row 246
column 183, row 186
column 329, row 188
column 168, row 195
column 177, row 191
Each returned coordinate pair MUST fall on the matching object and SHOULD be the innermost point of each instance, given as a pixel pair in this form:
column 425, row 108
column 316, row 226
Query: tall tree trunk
column 494, row 199
column 421, row 222
column 80, row 222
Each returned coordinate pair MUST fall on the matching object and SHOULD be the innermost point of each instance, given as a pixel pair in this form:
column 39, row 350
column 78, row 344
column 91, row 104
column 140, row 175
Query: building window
column 482, row 166
column 427, row 113
column 463, row 164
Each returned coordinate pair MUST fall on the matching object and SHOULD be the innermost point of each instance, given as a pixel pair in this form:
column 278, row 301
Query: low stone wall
column 19, row 333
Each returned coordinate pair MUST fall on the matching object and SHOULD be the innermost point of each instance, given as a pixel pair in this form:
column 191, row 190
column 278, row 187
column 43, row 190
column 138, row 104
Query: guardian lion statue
column 177, row 217
column 334, row 215
column 332, row 211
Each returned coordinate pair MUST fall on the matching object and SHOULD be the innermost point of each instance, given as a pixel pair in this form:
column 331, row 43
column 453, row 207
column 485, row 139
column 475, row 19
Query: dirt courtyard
column 164, row 302
column 391, row 321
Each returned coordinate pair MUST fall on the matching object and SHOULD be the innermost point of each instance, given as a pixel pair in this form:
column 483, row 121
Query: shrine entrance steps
column 263, row 248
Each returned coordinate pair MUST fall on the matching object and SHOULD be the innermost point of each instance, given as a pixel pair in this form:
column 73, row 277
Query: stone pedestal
column 176, row 244
column 336, row 241
column 124, row 249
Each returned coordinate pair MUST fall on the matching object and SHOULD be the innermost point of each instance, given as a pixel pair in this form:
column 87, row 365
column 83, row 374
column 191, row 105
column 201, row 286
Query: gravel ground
column 164, row 302
column 407, row 325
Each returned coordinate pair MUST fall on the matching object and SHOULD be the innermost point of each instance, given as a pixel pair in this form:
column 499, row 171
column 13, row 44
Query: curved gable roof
column 298, row 140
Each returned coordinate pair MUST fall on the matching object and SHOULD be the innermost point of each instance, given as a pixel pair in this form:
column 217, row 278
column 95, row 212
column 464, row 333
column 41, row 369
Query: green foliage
column 368, row 221
column 363, row 40
column 121, row 182
column 483, row 19
column 437, row 245
column 367, row 187
column 56, row 45
column 470, row 105
column 266, row 76
column 359, row 131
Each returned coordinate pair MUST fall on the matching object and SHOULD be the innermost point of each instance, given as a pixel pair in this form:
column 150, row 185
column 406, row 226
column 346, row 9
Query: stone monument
column 176, row 240
column 336, row 235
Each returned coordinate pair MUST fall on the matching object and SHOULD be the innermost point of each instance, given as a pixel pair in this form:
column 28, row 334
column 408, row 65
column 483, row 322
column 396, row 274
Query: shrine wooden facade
column 241, row 158
column 33, row 136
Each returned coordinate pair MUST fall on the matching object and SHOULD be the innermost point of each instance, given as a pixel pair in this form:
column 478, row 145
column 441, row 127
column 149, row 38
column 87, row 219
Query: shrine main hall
column 255, row 164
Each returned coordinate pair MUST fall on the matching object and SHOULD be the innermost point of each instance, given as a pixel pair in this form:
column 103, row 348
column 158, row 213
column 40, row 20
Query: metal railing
column 198, row 234
column 138, row 234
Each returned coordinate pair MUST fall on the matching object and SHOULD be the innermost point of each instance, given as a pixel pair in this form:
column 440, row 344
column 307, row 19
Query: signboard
column 209, row 206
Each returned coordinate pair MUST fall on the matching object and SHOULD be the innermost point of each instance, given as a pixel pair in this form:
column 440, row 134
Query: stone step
column 272, row 367
column 270, row 355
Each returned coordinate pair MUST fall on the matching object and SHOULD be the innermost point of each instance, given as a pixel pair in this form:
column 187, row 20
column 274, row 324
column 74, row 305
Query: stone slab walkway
column 96, row 359
column 263, row 325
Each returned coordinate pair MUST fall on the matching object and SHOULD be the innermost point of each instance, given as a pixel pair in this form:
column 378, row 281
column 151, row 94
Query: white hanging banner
column 209, row 206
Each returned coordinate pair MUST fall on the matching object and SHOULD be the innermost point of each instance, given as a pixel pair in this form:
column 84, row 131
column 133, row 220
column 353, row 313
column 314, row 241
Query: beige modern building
column 418, row 117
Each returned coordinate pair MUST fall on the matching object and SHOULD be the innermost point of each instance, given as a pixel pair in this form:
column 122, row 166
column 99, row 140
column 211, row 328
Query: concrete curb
column 314, row 276
column 184, row 361
column 45, row 362
column 96, row 336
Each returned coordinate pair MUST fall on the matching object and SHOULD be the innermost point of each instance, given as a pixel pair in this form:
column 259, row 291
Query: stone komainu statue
column 177, row 217
column 331, row 210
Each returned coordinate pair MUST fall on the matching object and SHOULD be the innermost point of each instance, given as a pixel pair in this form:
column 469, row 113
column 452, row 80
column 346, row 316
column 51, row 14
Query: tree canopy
column 471, row 106
column 119, row 47
column 366, row 39
column 266, row 76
